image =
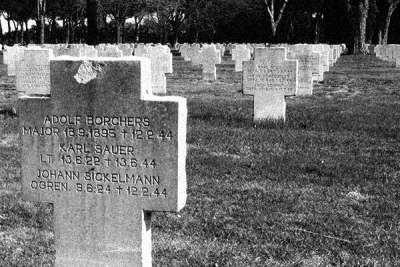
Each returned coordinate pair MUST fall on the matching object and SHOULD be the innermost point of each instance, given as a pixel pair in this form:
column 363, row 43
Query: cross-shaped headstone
column 210, row 56
column 239, row 54
column 106, row 153
column 183, row 49
column 161, row 63
column 126, row 49
column 193, row 54
column 269, row 78
column 33, row 72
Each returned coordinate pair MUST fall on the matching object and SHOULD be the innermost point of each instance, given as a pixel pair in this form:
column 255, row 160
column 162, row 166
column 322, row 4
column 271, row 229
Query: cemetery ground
column 321, row 189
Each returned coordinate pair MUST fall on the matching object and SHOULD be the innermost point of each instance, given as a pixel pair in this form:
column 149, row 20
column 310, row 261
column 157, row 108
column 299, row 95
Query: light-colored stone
column 33, row 72
column 209, row 57
column 11, row 57
column 239, row 54
column 269, row 78
column 106, row 153
column 161, row 63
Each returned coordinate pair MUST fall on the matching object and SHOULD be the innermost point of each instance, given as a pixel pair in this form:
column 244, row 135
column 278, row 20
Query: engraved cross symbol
column 118, row 153
column 269, row 78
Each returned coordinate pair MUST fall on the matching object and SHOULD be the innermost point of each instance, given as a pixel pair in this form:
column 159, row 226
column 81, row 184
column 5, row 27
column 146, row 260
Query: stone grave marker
column 161, row 63
column 12, row 56
column 324, row 56
column 193, row 54
column 110, row 51
column 89, row 51
column 126, row 49
column 305, row 81
column 239, row 54
column 106, row 153
column 269, row 78
column 33, row 72
column 210, row 56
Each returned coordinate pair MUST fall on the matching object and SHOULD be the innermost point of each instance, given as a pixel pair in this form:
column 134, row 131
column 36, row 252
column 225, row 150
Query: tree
column 41, row 11
column 357, row 13
column 384, row 14
column 119, row 11
column 92, row 10
column 275, row 13
column 171, row 14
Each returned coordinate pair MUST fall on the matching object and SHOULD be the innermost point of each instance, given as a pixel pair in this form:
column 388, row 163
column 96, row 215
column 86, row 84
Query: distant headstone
column 12, row 56
column 33, row 72
column 126, row 50
column 269, row 78
column 239, row 54
column 210, row 56
column 110, row 51
column 193, row 54
column 161, row 63
column 305, row 81
column 107, row 153
column 183, row 49
column 89, row 51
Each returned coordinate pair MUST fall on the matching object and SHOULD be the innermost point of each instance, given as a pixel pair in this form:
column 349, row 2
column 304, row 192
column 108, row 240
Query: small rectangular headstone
column 33, row 72
column 13, row 55
column 106, row 153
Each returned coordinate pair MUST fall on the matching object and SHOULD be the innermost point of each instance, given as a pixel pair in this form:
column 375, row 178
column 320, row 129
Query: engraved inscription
column 99, row 155
column 33, row 76
column 270, row 78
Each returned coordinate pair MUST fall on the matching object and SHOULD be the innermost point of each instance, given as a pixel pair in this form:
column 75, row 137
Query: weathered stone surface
column 161, row 63
column 210, row 56
column 33, row 72
column 107, row 153
column 239, row 54
column 269, row 78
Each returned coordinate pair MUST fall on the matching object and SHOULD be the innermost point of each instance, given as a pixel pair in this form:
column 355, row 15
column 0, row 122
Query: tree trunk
column 274, row 21
column 67, row 36
column 363, row 7
column 386, row 24
column 72, row 27
column 1, row 35
column 27, row 37
column 15, row 31
column 92, row 36
column 317, row 27
column 357, row 15
column 118, row 27
column 41, row 8
column 136, row 32
column 22, row 33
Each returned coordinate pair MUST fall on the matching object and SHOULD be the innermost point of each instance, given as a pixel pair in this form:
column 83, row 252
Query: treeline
column 354, row 22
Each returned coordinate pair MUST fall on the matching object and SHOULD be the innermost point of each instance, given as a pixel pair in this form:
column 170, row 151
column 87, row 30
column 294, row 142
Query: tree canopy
column 354, row 22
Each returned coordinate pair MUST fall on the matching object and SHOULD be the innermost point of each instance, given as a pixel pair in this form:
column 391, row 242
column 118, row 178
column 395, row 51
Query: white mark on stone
column 87, row 71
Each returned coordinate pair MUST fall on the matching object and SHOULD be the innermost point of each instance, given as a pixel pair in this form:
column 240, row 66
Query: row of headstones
column 318, row 58
column 31, row 64
column 33, row 72
column 389, row 53
column 277, row 72
column 107, row 152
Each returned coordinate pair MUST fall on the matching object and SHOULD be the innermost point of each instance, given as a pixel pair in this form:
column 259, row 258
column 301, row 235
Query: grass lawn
column 322, row 189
